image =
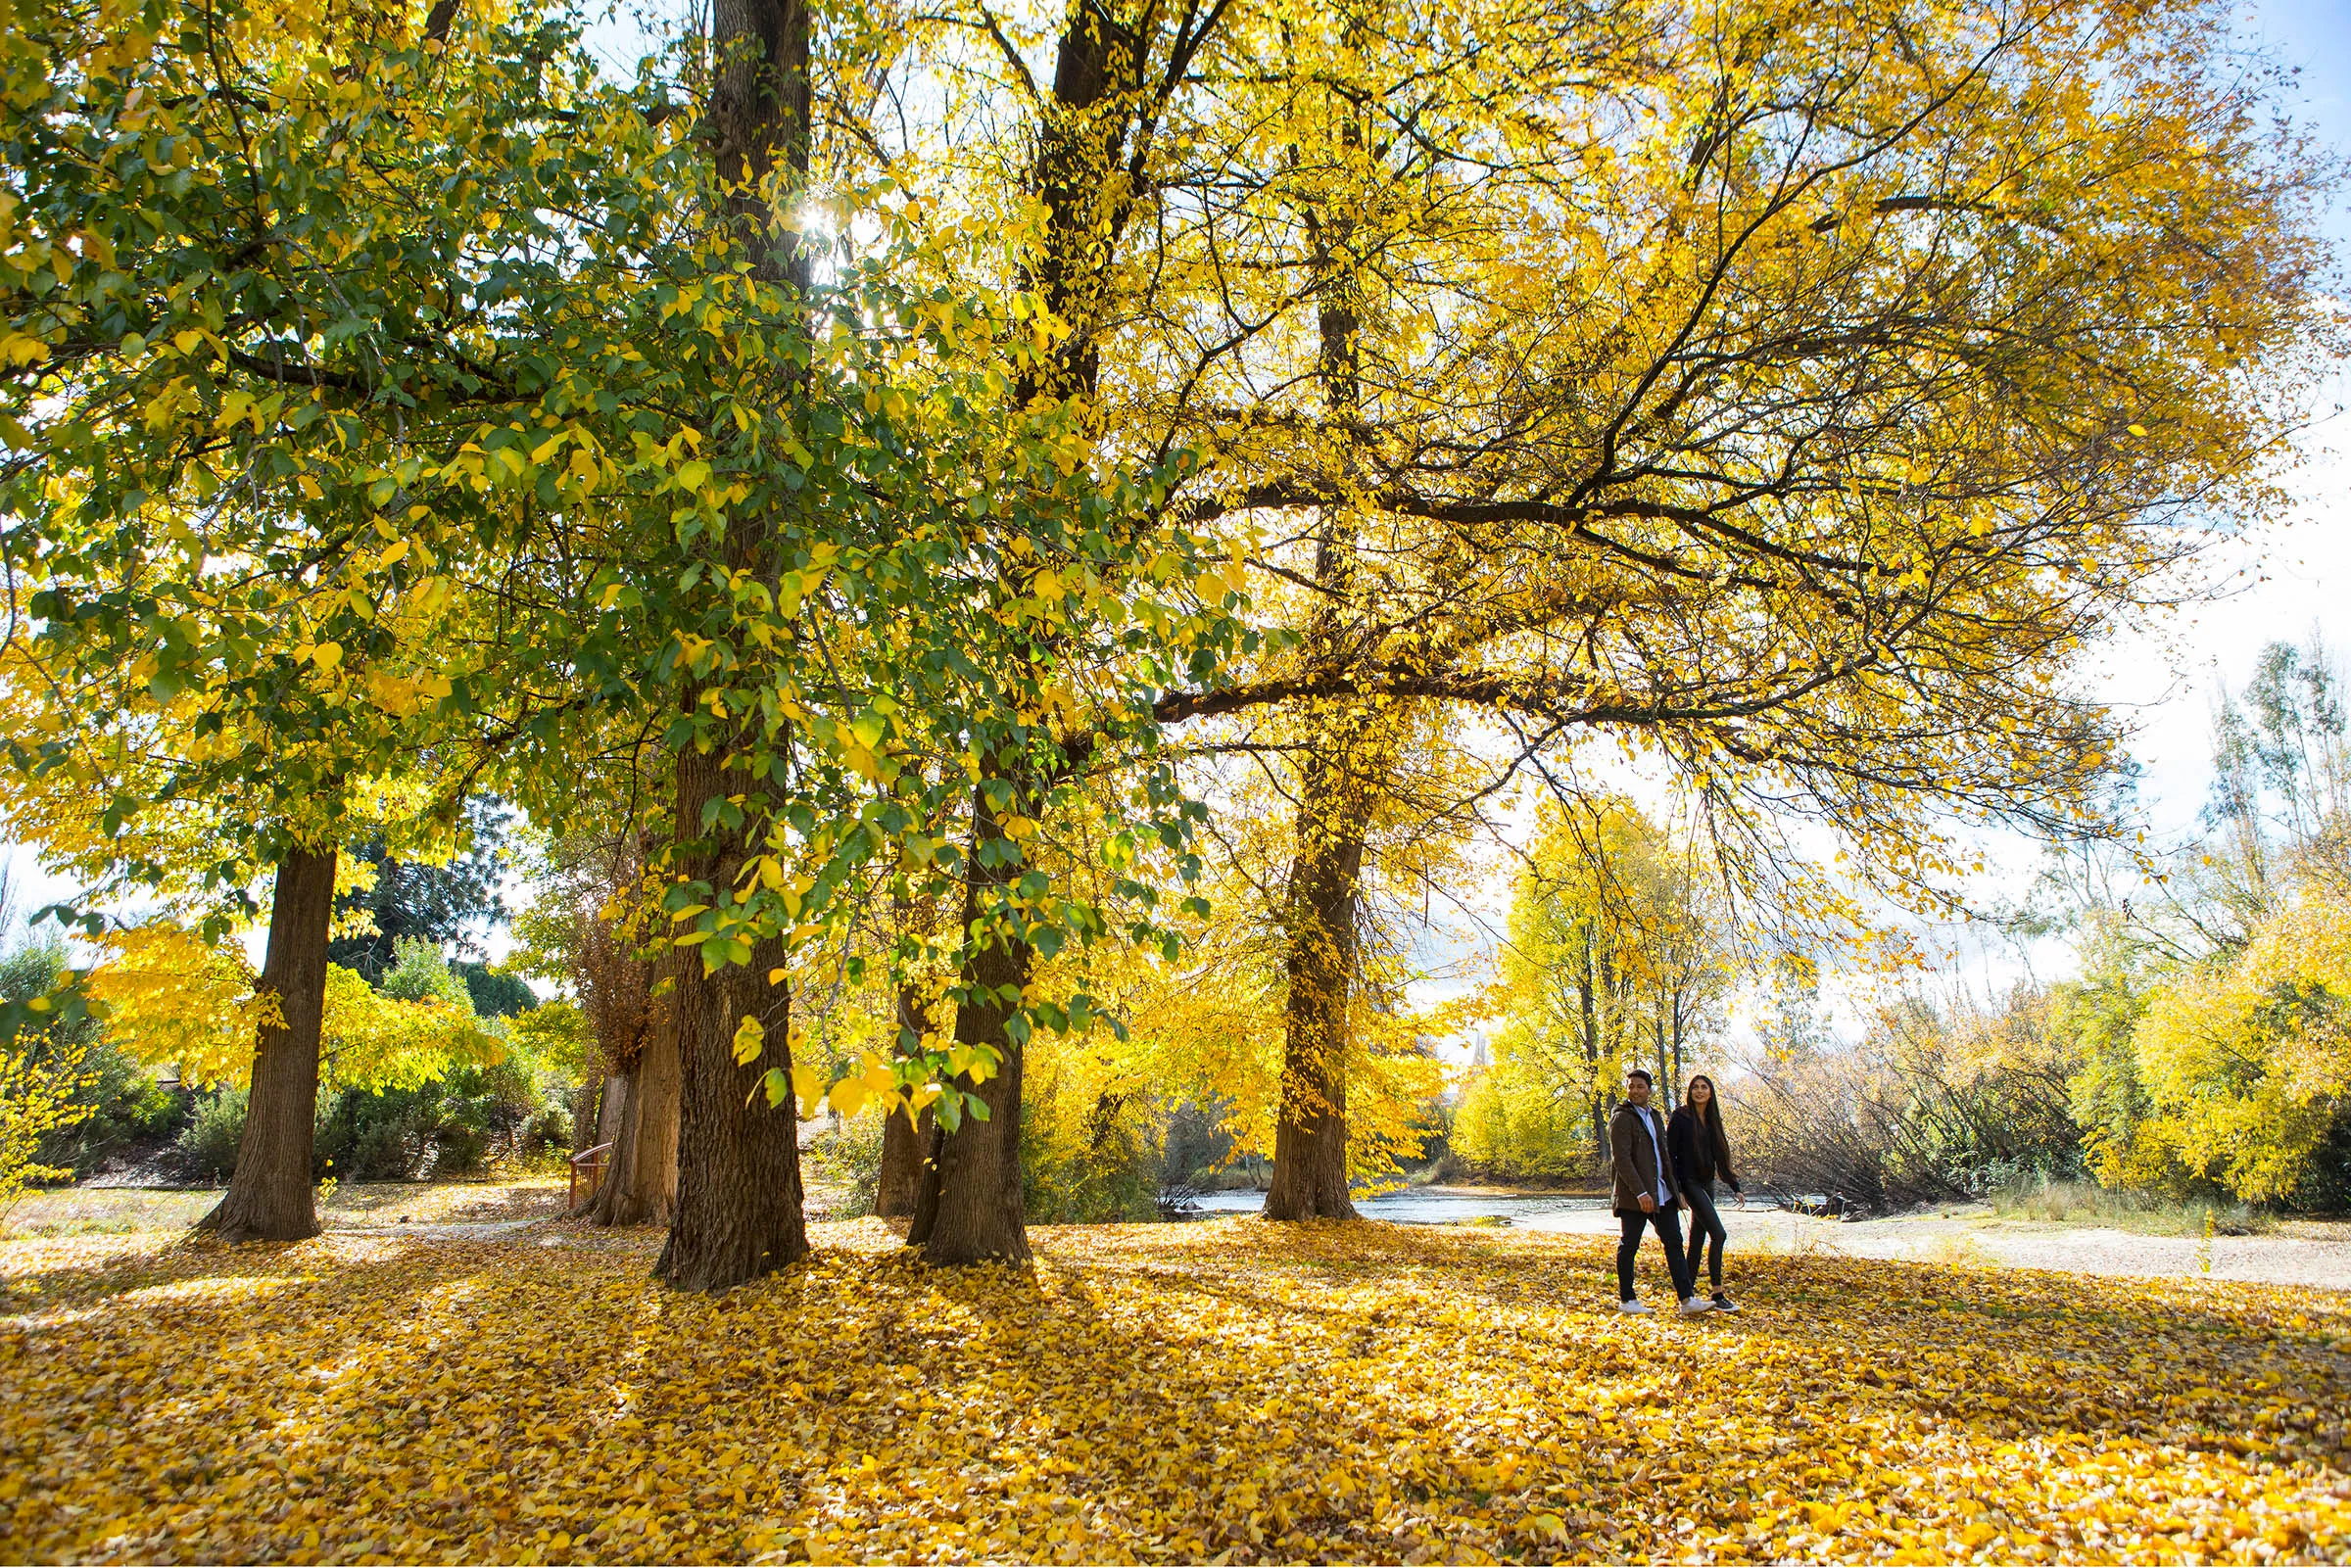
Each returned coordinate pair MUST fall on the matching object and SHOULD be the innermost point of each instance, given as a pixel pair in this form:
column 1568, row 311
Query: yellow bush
column 2247, row 1067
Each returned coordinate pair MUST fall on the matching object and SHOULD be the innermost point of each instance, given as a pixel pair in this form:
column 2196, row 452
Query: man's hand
column 1649, row 1204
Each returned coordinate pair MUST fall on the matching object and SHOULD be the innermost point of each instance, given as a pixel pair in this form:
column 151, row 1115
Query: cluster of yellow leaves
column 1224, row 1390
column 2247, row 1064
column 373, row 1041
column 173, row 999
column 42, row 1091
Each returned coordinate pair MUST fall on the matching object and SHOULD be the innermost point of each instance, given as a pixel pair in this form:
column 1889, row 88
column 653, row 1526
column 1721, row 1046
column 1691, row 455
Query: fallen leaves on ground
column 1229, row 1389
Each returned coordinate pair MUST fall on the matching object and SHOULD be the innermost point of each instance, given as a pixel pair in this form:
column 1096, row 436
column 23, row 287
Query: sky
column 2280, row 582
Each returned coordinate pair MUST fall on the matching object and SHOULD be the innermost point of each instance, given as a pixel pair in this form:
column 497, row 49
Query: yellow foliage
column 1228, row 1390
column 2248, row 1067
column 40, row 1085
column 371, row 1041
column 174, row 1000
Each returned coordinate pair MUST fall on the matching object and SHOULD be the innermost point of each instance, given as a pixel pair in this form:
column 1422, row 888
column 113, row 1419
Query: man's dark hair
column 1643, row 1075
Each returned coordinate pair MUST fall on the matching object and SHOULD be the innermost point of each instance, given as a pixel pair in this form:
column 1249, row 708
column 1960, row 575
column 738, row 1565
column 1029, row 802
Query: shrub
column 112, row 1098
column 1511, row 1124
column 216, row 1126
column 1090, row 1156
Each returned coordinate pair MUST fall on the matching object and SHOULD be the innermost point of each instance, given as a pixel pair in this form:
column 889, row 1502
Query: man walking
column 1641, row 1177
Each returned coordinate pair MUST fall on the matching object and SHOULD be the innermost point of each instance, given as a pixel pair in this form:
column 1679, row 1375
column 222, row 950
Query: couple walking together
column 1658, row 1167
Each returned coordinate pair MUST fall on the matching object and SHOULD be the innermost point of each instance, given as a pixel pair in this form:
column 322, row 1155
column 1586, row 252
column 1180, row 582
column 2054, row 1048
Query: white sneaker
column 1633, row 1306
column 1695, row 1306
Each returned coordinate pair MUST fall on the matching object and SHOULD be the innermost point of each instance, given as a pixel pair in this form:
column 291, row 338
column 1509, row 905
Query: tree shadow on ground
column 1144, row 1393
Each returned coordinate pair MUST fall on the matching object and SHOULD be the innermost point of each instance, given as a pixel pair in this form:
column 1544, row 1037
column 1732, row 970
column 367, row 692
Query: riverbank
column 2303, row 1252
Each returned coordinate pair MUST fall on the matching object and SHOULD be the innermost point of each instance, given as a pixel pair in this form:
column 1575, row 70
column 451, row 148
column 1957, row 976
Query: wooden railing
column 590, row 1162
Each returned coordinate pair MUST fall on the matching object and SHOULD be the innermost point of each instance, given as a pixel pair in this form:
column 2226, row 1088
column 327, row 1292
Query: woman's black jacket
column 1695, row 1157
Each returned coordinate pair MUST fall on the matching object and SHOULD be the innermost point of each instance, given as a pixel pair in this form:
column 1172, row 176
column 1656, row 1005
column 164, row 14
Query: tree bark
column 1657, row 1031
column 609, row 1110
column 1310, row 1138
column 270, row 1197
column 641, row 1178
column 1100, row 101
column 906, row 1143
column 1591, row 1022
column 926, row 1187
column 738, row 1213
column 974, row 1190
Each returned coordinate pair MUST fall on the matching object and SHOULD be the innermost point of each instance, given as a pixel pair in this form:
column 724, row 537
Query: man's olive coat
column 1633, row 1167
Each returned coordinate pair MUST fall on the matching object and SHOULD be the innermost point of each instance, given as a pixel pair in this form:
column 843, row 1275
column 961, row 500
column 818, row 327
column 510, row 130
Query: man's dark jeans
column 1670, row 1229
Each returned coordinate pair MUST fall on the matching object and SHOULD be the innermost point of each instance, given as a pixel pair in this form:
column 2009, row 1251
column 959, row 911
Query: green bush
column 1091, row 1161
column 216, row 1126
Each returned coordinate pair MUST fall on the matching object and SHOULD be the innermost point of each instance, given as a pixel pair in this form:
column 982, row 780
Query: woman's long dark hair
column 1711, row 1117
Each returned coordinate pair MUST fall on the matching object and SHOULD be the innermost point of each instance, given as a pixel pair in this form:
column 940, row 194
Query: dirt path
column 2313, row 1253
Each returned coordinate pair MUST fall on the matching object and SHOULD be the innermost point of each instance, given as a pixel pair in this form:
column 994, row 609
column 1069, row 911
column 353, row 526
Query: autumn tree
column 590, row 925
column 1801, row 437
column 1615, row 957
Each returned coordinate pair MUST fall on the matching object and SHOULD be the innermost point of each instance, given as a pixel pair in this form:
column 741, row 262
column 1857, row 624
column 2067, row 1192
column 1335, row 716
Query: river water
column 1431, row 1205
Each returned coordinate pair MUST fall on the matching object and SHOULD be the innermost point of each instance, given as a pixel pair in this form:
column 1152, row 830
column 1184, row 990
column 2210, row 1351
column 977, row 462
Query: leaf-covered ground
column 1151, row 1392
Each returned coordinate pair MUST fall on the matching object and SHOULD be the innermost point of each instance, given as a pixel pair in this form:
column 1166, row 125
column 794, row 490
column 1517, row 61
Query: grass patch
column 2082, row 1203
column 348, row 1206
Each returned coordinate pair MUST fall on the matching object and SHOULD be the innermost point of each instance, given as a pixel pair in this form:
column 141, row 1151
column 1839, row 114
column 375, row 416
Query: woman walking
column 1701, row 1153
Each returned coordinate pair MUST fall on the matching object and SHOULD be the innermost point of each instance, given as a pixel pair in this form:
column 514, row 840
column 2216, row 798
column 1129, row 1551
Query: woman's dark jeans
column 1706, row 1230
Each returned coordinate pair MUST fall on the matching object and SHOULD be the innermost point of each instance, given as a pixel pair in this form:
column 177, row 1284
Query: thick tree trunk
column 926, row 1186
column 905, row 1142
column 641, row 1177
column 270, row 1197
column 1309, row 1136
column 738, row 1213
column 1310, row 1140
column 968, row 1206
column 609, row 1108
column 738, row 1158
column 975, row 1191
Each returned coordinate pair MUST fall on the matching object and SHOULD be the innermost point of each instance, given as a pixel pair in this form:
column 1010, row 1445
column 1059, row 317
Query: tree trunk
column 1681, row 1067
column 974, row 1193
column 1309, row 1134
column 641, row 1177
column 738, row 1213
column 906, row 1143
column 926, row 1186
column 610, row 1109
column 738, row 1158
column 1310, row 1138
column 1584, row 990
column 1657, row 1031
column 270, row 1197
column 968, row 1205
